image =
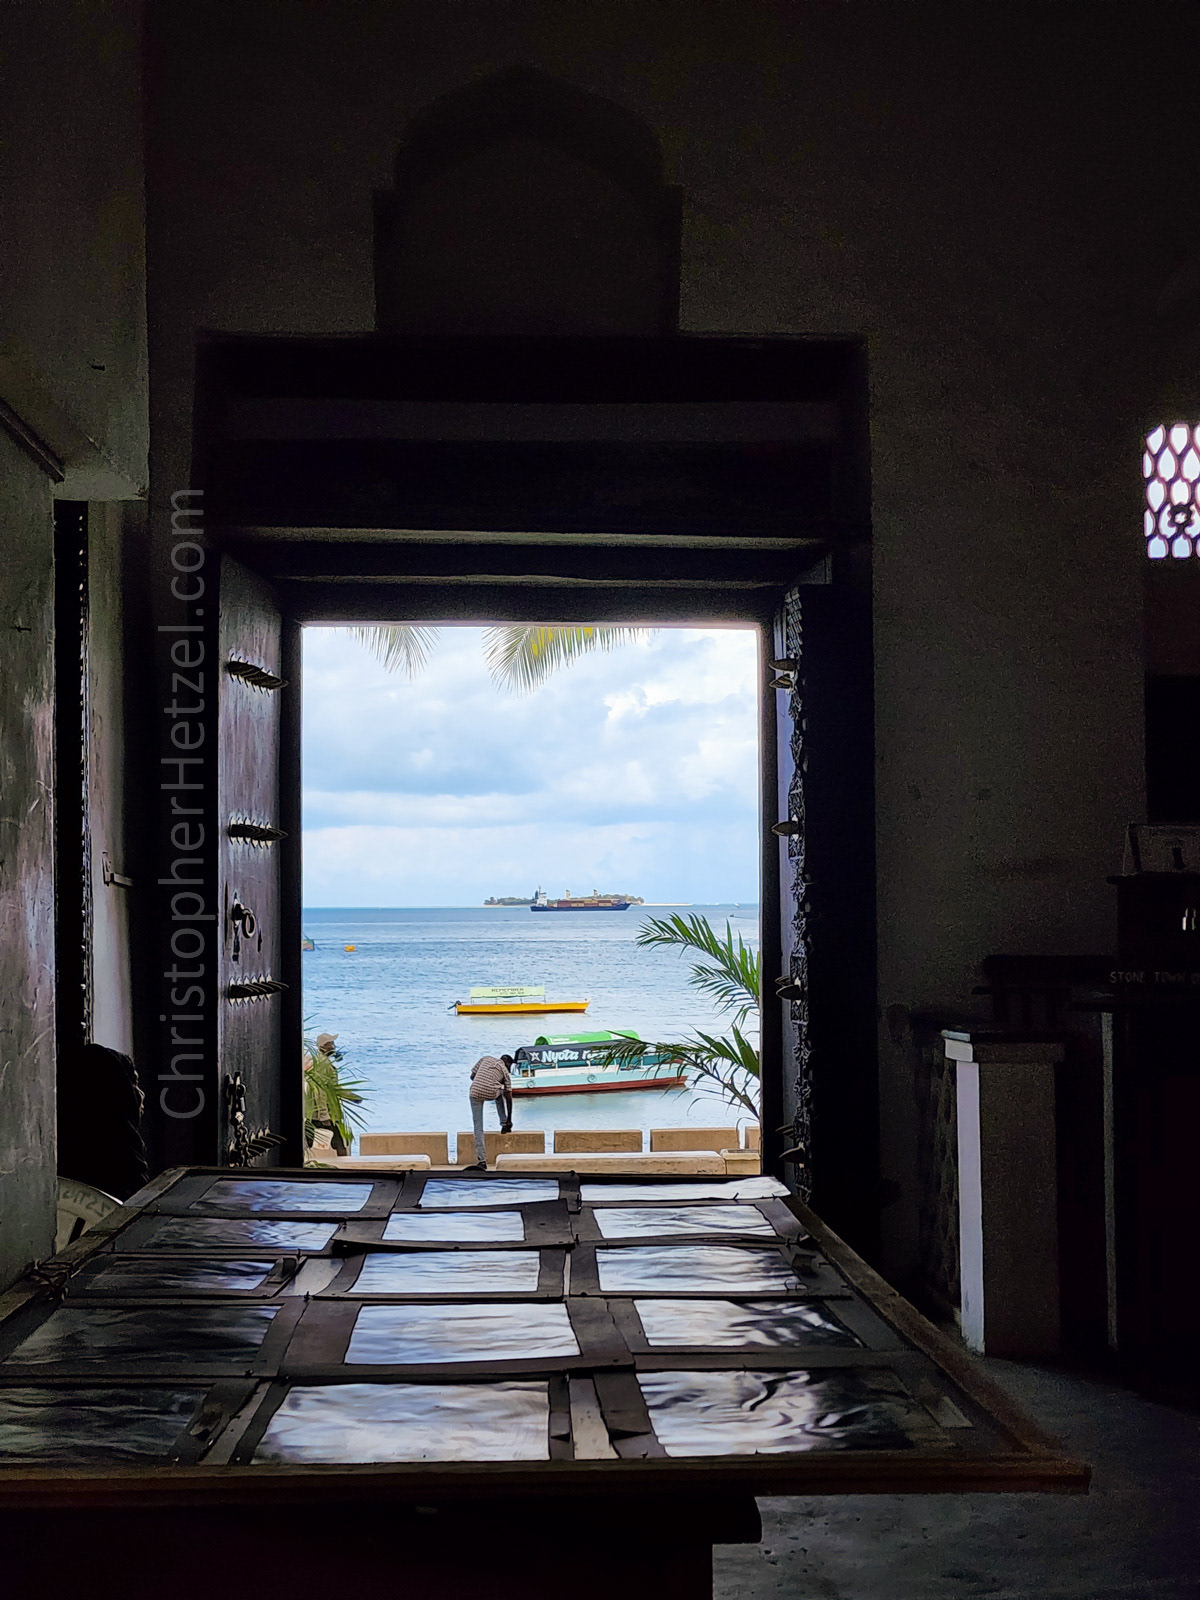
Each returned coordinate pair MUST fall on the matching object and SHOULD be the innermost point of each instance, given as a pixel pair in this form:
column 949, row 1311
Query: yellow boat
column 513, row 1002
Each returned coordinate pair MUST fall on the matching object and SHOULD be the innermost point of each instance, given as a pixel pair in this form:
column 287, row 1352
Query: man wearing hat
column 326, row 1045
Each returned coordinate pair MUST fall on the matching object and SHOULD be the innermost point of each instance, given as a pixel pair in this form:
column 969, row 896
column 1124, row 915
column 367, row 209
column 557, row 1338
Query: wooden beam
column 337, row 562
column 29, row 440
column 686, row 367
column 241, row 533
column 480, row 604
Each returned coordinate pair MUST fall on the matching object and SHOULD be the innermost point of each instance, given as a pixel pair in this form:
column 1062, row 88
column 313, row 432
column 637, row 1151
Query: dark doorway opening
column 605, row 480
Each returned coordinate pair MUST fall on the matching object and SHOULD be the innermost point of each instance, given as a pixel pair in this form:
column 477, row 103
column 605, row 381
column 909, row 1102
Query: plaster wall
column 27, row 1155
column 978, row 192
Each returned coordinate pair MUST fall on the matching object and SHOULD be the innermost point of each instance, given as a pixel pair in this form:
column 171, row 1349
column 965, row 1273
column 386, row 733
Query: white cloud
column 633, row 770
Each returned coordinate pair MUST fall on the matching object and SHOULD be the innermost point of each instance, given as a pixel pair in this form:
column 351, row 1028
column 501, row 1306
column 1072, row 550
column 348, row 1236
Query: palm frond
column 731, row 971
column 738, row 1052
column 401, row 646
column 730, row 1066
column 521, row 659
column 332, row 1096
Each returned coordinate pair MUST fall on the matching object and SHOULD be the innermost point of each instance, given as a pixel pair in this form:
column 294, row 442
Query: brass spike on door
column 255, row 832
column 257, row 677
column 255, row 989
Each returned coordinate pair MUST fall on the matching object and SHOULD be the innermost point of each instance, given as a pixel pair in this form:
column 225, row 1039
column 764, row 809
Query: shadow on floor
column 1136, row 1536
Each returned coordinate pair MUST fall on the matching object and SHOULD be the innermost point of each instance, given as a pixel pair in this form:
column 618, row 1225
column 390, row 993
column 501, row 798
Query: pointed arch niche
column 525, row 206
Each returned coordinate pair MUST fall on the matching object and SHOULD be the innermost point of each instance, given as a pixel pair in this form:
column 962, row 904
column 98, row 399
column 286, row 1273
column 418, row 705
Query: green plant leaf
column 731, row 972
column 731, row 1066
column 521, row 659
column 401, row 646
column 330, row 1095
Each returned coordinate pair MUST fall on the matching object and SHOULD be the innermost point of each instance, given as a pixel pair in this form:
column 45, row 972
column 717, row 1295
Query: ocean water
column 390, row 1003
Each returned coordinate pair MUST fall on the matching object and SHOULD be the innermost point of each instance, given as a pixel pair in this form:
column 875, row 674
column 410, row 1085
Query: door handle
column 244, row 924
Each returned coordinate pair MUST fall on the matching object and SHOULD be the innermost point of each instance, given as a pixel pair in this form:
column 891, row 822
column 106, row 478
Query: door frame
column 620, row 564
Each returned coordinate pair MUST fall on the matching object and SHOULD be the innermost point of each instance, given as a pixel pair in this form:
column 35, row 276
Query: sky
column 633, row 770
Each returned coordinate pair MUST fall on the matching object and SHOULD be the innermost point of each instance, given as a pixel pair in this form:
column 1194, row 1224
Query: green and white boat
column 580, row 1063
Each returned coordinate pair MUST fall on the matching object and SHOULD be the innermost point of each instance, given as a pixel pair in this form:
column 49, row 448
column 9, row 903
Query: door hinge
column 244, row 1146
column 117, row 879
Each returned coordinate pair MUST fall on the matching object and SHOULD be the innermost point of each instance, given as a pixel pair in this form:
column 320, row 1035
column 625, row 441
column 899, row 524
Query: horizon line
column 479, row 905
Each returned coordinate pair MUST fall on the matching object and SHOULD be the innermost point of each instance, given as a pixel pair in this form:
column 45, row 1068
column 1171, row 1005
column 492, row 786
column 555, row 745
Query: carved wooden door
column 251, row 991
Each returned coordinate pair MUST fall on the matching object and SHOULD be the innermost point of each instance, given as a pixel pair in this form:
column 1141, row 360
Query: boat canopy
column 577, row 1050
column 603, row 1037
column 514, row 992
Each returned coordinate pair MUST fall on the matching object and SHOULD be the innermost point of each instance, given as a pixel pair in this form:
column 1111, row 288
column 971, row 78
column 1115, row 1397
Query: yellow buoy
column 349, row 947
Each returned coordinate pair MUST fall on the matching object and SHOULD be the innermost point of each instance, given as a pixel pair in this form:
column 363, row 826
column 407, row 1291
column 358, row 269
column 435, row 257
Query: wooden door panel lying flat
column 251, row 1337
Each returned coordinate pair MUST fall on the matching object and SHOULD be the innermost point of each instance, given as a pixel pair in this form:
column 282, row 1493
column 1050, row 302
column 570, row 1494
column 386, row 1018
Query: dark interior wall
column 979, row 192
column 72, row 279
column 1172, row 617
column 27, row 1165
column 73, row 372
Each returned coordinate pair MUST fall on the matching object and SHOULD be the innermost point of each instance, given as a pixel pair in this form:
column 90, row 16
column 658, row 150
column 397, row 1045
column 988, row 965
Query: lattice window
column 1171, row 468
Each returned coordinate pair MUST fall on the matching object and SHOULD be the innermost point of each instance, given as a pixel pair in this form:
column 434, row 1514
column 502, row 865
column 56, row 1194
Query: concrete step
column 701, row 1163
column 598, row 1141
column 413, row 1163
column 498, row 1144
column 694, row 1139
column 434, row 1145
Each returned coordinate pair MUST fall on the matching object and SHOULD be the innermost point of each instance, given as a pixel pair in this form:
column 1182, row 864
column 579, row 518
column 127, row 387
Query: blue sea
column 390, row 1003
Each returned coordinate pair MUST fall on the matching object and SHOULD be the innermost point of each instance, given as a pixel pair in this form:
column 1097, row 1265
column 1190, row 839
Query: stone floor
column 1137, row 1534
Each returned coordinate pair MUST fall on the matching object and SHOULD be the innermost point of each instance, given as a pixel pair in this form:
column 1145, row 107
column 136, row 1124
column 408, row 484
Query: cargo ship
column 582, row 1063
column 581, row 902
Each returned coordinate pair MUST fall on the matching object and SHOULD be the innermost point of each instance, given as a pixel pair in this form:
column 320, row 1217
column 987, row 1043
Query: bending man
column 490, row 1081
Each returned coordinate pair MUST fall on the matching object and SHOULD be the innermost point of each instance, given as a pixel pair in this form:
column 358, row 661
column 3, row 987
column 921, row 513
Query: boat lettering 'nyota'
column 581, row 1063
